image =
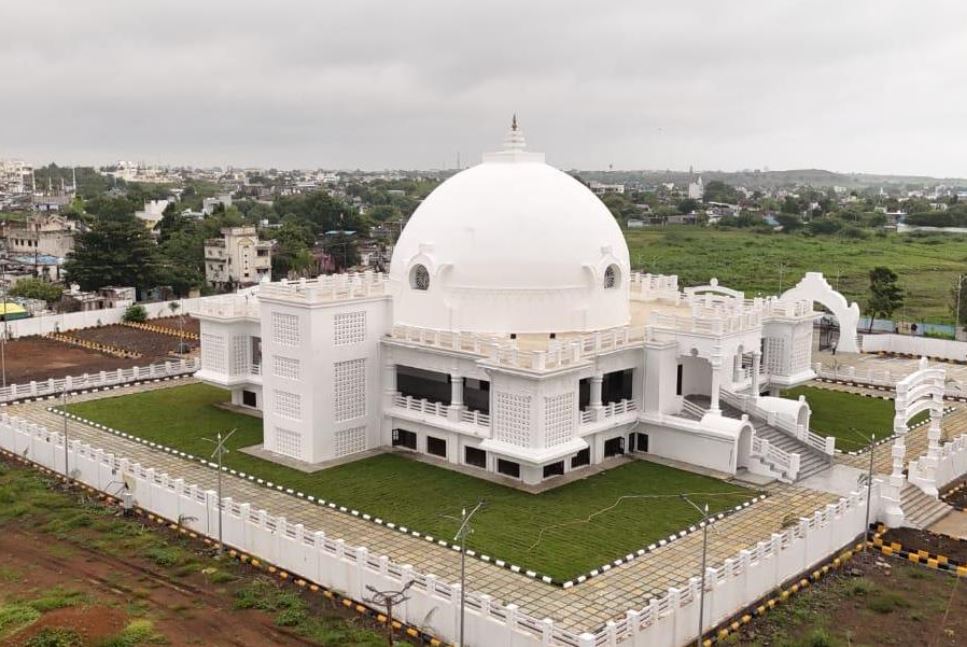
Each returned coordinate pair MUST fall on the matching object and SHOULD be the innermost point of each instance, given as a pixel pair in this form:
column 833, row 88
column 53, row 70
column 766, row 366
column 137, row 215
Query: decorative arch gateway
column 814, row 287
column 922, row 390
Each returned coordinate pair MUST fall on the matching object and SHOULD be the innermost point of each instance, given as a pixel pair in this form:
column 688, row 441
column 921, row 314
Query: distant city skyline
column 860, row 87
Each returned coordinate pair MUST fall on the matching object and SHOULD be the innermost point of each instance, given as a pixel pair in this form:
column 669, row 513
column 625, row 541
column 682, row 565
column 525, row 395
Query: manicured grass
column 927, row 265
column 548, row 532
column 835, row 413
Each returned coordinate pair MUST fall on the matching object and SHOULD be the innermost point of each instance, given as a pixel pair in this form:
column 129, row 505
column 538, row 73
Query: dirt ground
column 38, row 358
column 913, row 540
column 873, row 601
column 75, row 565
column 153, row 347
column 190, row 324
column 958, row 499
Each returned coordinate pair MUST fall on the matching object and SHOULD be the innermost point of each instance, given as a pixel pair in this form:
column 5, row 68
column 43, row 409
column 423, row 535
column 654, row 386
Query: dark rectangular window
column 423, row 385
column 617, row 386
column 641, row 442
column 614, row 447
column 249, row 399
column 436, row 446
column 508, row 468
column 680, row 379
column 584, row 393
column 582, row 458
column 475, row 457
column 476, row 395
column 554, row 469
column 404, row 438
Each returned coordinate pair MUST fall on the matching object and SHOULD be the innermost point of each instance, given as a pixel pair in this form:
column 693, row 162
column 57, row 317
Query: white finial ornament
column 514, row 147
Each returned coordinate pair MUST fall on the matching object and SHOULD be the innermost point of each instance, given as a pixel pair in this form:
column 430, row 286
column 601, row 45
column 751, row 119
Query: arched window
column 419, row 278
column 612, row 277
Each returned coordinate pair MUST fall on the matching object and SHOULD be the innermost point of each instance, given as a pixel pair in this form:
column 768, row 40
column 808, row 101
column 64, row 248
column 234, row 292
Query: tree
column 114, row 252
column 718, row 191
column 135, row 313
column 886, row 297
column 688, row 205
column 33, row 288
column 292, row 252
column 789, row 222
column 343, row 250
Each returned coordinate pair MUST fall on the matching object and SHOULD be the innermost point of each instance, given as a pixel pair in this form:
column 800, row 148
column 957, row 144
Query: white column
column 716, row 386
column 389, row 378
column 737, row 367
column 756, row 360
column 456, row 398
column 596, row 382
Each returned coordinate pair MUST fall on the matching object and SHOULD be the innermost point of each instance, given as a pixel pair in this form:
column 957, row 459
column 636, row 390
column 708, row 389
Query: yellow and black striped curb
column 877, row 387
column 162, row 330
column 107, row 349
column 84, row 390
column 944, row 496
column 780, row 596
column 885, row 353
column 926, row 558
column 244, row 558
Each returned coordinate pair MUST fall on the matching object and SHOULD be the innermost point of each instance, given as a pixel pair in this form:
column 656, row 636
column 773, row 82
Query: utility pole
column 461, row 536
column 960, row 286
column 869, row 489
column 701, row 597
column 389, row 599
column 3, row 342
column 219, row 452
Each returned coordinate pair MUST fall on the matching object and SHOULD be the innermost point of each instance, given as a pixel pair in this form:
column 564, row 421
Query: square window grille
column 349, row 385
column 286, row 367
column 559, row 418
column 774, row 348
column 285, row 329
column 512, row 417
column 350, row 441
column 288, row 405
column 213, row 352
column 239, row 358
column 288, row 442
column 349, row 328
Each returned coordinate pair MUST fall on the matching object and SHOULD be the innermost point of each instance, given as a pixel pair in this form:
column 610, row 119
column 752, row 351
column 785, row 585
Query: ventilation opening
column 612, row 277
column 420, row 278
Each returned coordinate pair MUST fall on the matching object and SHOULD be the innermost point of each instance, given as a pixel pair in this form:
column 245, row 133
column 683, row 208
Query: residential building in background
column 40, row 235
column 238, row 258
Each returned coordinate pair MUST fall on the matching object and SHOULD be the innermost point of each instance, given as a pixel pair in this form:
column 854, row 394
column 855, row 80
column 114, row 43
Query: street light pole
column 869, row 489
column 701, row 597
column 960, row 285
column 220, row 451
column 461, row 536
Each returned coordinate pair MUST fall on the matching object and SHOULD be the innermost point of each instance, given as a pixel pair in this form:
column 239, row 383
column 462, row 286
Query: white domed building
column 511, row 339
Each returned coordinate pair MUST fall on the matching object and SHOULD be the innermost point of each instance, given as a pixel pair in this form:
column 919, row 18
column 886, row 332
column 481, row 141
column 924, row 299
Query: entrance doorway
column 614, row 447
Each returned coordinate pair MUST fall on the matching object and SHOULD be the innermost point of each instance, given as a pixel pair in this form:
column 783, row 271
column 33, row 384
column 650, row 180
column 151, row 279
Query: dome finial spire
column 513, row 123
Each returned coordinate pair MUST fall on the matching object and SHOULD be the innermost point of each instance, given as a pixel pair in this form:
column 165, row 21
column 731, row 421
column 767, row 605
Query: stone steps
column 920, row 510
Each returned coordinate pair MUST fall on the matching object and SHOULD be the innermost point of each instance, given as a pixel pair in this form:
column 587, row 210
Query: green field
column 928, row 266
column 547, row 532
column 846, row 415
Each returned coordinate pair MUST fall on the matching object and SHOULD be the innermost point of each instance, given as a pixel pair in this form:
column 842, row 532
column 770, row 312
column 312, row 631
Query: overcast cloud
column 847, row 85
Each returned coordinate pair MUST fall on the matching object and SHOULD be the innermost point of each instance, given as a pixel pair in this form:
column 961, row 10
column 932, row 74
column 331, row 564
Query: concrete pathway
column 580, row 608
column 952, row 525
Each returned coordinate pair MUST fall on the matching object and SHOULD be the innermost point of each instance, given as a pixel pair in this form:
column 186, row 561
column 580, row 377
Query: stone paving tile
column 580, row 608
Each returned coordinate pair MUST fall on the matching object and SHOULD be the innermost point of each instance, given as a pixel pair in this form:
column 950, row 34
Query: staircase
column 811, row 461
column 920, row 510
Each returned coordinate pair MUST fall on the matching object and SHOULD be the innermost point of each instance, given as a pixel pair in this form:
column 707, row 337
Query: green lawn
column 835, row 413
column 427, row 498
column 928, row 266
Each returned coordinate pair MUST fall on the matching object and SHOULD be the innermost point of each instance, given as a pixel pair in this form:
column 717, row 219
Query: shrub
column 55, row 637
column 135, row 313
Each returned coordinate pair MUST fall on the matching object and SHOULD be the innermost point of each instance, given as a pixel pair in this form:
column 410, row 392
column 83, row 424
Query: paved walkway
column 580, row 608
column 897, row 365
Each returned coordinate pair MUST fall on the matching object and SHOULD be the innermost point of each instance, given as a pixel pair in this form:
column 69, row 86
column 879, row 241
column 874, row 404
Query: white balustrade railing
column 330, row 287
column 255, row 369
column 44, row 388
column 883, row 378
column 475, row 417
column 747, row 404
column 420, row 405
column 786, row 462
column 619, row 408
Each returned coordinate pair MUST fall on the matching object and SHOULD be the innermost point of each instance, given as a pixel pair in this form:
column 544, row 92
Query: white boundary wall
column 882, row 377
column 433, row 604
column 951, row 464
column 99, row 380
column 908, row 345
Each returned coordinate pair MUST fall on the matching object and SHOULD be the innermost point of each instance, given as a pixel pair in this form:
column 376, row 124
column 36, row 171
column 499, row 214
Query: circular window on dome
column 420, row 278
column 612, row 277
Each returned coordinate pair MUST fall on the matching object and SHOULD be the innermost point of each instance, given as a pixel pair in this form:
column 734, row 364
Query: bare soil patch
column 153, row 347
column 872, row 601
column 93, row 623
column 190, row 324
column 913, row 540
column 39, row 358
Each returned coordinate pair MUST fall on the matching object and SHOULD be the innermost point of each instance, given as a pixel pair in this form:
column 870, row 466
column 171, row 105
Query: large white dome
column 511, row 246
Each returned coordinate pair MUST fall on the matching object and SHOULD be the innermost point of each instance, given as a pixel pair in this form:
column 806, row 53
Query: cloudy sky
column 847, row 85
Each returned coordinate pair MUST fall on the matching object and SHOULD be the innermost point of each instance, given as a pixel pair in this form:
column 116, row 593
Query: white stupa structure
column 511, row 338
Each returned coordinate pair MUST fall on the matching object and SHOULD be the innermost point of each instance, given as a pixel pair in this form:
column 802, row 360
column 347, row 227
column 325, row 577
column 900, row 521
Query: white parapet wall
column 951, row 464
column 433, row 605
column 947, row 349
column 100, row 380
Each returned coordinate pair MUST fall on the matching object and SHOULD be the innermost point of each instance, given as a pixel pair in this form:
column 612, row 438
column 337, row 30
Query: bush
column 55, row 637
column 135, row 313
